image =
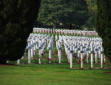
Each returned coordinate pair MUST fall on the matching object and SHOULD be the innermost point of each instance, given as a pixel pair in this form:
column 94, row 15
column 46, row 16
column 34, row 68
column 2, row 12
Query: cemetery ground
column 52, row 74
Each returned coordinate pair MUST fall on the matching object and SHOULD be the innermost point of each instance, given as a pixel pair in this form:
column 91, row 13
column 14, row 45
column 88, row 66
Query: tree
column 104, row 24
column 92, row 7
column 63, row 11
column 16, row 23
column 79, row 14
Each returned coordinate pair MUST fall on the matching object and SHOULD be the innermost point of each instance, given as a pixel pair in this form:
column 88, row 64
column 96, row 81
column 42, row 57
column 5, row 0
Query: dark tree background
column 91, row 22
column 54, row 12
column 16, row 23
column 104, row 24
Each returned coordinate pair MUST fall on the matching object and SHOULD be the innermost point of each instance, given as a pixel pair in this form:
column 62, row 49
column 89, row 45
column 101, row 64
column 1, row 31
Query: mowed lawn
column 55, row 74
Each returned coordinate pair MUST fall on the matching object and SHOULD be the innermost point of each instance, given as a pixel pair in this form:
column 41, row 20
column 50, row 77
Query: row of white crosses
column 80, row 45
column 39, row 42
column 41, row 30
column 42, row 45
column 84, row 45
column 65, row 31
column 59, row 47
column 76, row 32
column 50, row 48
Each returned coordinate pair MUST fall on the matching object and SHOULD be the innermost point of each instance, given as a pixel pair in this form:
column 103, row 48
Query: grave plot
column 85, row 48
column 64, row 32
column 60, row 49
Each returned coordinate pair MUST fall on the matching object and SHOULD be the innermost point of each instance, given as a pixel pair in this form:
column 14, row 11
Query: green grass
column 52, row 74
column 55, row 74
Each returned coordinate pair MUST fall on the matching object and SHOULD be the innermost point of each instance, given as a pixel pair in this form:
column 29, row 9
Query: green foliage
column 53, row 12
column 16, row 22
column 92, row 7
column 104, row 24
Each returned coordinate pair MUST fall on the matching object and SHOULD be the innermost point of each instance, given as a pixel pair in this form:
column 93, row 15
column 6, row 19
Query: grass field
column 55, row 74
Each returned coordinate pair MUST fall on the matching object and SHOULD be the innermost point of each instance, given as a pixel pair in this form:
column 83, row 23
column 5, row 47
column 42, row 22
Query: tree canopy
column 104, row 24
column 16, row 23
column 92, row 7
column 54, row 12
